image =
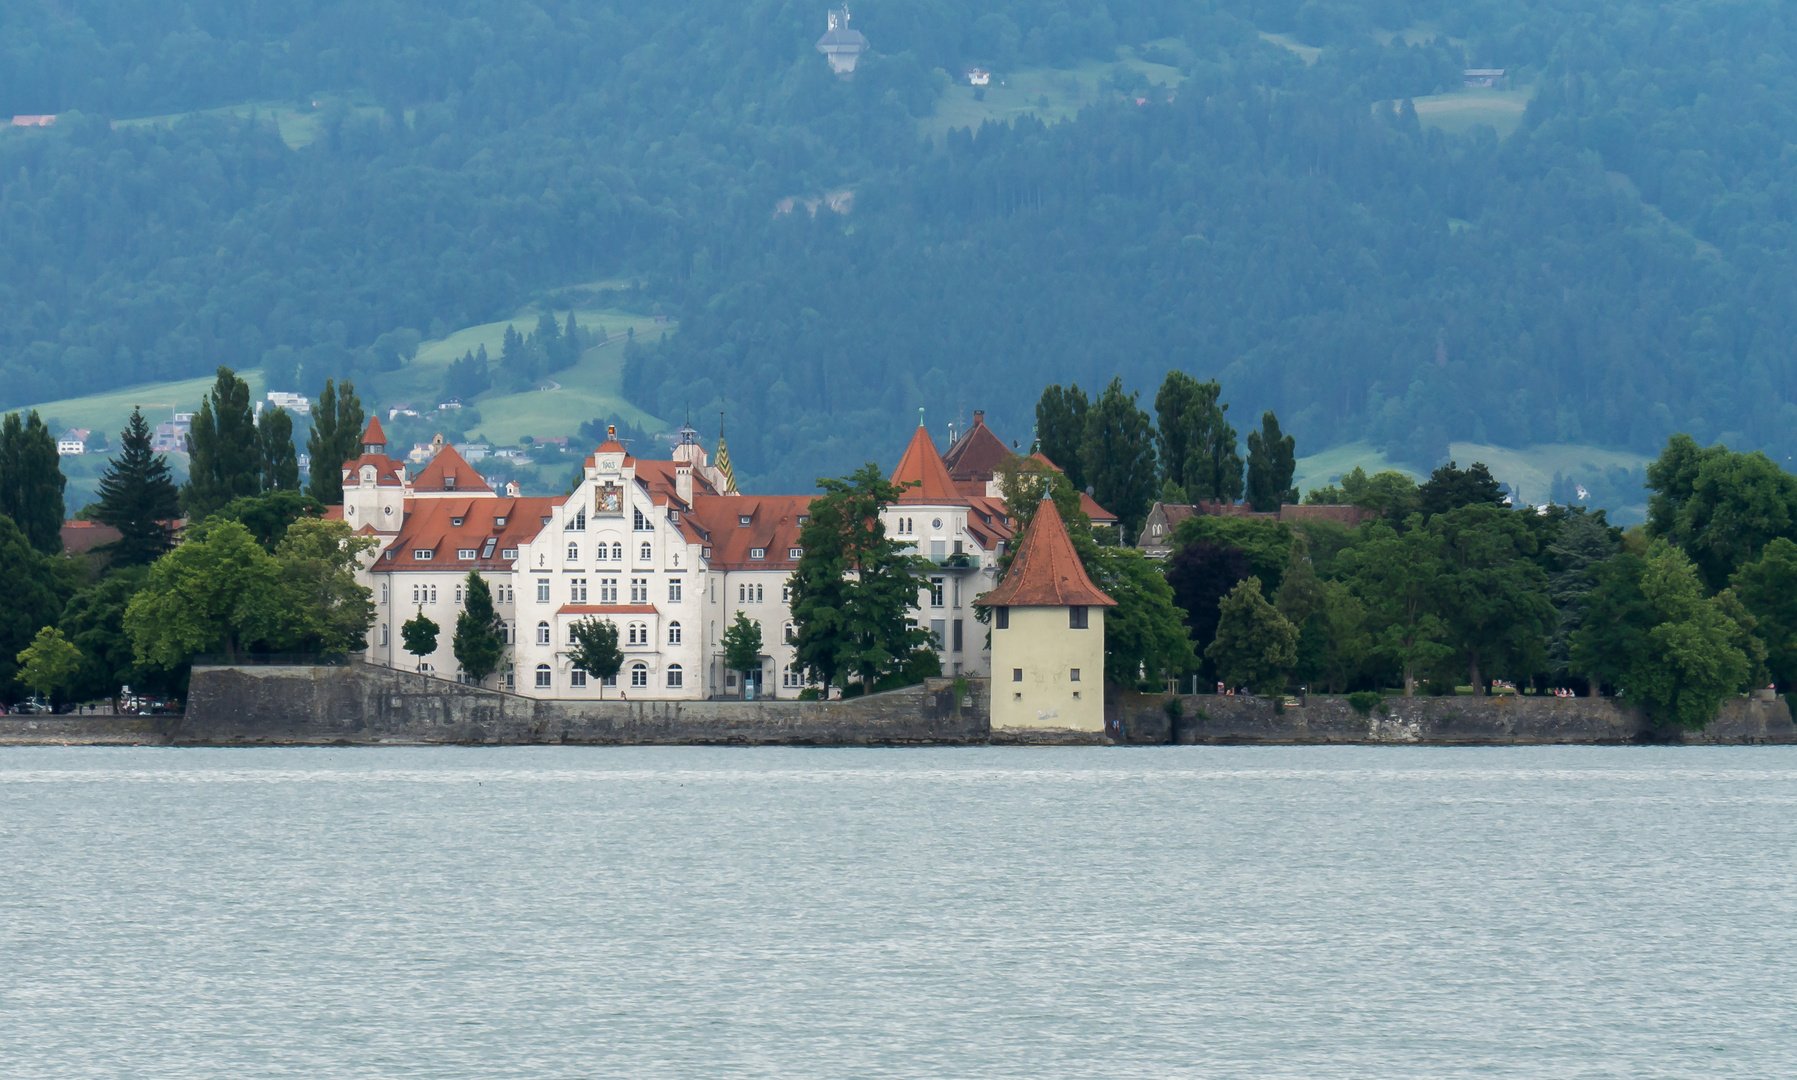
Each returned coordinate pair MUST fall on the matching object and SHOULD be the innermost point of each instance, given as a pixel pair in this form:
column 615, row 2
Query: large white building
column 668, row 551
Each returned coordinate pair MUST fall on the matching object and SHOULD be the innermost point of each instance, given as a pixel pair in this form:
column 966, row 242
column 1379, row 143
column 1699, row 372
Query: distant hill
column 1303, row 200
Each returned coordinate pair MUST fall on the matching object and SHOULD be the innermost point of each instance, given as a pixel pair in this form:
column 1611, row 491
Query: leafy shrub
column 1363, row 701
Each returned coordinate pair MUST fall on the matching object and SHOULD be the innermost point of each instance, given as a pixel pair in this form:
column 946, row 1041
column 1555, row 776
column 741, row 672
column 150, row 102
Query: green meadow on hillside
column 1458, row 111
column 1051, row 94
column 298, row 122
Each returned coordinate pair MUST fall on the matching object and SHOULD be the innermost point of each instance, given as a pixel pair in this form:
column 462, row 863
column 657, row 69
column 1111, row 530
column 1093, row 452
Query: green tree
column 35, row 592
column 138, row 498
column 1693, row 657
column 269, row 515
column 1022, row 484
column 49, row 662
column 1185, row 410
column 420, row 635
column 1614, row 621
column 217, row 589
column 94, row 619
column 742, row 647
column 1493, row 597
column 1768, row 588
column 1398, row 577
column 337, row 424
column 31, row 481
column 1726, row 513
column 1267, row 545
column 1389, row 494
column 326, row 610
column 1450, row 487
column 595, row 650
column 1145, row 636
column 854, row 587
column 1576, row 547
column 1061, row 429
column 224, row 459
column 274, row 441
column 1256, row 646
column 479, row 632
column 1117, row 456
column 1272, row 458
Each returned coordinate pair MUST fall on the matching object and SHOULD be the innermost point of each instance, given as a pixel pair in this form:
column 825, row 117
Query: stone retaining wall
column 1502, row 720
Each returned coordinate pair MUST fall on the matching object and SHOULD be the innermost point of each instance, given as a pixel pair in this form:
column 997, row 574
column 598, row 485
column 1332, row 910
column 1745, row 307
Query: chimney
column 979, row 417
column 683, row 481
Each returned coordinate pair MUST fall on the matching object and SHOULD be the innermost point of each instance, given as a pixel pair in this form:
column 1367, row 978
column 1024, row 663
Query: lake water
column 686, row 912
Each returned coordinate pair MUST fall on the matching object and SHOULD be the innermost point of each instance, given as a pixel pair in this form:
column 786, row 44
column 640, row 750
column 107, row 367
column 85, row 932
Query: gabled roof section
column 387, row 472
column 450, row 473
column 1047, row 571
column 977, row 454
column 489, row 528
column 925, row 477
column 773, row 527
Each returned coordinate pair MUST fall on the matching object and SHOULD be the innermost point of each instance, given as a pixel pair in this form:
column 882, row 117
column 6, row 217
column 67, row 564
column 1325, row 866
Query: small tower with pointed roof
column 1047, row 635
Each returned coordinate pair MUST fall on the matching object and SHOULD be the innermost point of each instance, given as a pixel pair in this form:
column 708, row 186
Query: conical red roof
column 925, row 476
column 1046, row 571
column 372, row 435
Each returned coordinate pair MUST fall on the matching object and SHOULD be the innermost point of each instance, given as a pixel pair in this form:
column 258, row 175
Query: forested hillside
column 1617, row 269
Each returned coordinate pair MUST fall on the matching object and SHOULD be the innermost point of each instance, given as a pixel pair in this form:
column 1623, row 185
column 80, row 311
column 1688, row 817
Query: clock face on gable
column 609, row 500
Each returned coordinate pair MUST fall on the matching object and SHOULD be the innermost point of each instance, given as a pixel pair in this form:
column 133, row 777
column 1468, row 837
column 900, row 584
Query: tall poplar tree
column 337, row 422
column 1061, row 427
column 31, row 481
column 224, row 459
column 138, row 498
column 1272, row 459
column 1117, row 455
column 279, row 461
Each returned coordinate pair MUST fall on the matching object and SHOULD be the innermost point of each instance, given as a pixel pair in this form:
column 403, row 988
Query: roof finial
column 920, row 416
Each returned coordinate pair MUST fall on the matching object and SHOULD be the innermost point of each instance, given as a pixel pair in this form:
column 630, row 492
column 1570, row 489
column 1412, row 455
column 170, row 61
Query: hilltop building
column 1047, row 635
column 668, row 551
column 840, row 45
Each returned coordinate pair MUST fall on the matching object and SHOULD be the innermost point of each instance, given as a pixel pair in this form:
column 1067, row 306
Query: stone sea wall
column 1434, row 721
column 362, row 705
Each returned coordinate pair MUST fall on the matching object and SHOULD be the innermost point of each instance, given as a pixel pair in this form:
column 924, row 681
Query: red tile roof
column 773, row 526
column 388, row 473
column 430, row 526
column 372, row 435
column 925, row 478
column 977, row 454
column 1047, row 571
column 445, row 467
column 79, row 536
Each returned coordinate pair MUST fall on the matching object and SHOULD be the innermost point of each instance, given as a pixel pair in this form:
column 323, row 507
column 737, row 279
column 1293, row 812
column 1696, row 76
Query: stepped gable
column 922, row 463
column 450, row 473
column 442, row 528
column 1047, row 571
column 977, row 454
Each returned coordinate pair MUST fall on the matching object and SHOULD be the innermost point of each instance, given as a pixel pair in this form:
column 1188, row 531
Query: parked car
column 33, row 706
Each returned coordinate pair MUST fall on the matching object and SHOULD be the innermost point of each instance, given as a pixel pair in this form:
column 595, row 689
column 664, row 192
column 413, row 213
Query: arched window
column 639, row 674
column 675, row 677
column 790, row 632
column 674, row 633
column 648, row 553
column 542, row 633
column 617, row 552
column 573, row 552
column 543, row 676
column 637, row 634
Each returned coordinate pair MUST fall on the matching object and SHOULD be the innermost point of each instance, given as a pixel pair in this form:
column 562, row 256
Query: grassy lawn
column 1306, row 53
column 1049, row 94
column 1319, row 470
column 1531, row 471
column 1456, row 112
column 108, row 411
column 298, row 122
column 589, row 390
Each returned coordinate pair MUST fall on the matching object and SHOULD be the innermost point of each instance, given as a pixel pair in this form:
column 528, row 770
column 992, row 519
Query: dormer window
column 804, row 518
column 457, row 522
column 423, row 554
column 745, row 519
column 449, row 482
column 464, row 554
column 499, row 521
column 758, row 553
column 795, row 553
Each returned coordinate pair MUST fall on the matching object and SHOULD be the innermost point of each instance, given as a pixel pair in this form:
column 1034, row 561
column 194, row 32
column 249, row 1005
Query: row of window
column 639, row 522
column 750, row 593
column 1077, row 618
column 608, row 590
column 614, row 553
column 639, row 677
column 427, row 594
column 635, row 633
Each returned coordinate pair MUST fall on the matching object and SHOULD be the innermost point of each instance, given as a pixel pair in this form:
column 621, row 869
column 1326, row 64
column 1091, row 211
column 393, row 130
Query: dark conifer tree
column 1272, row 458
column 31, row 481
column 280, row 462
column 1117, row 456
column 138, row 498
column 337, row 423
column 1061, row 428
column 225, row 460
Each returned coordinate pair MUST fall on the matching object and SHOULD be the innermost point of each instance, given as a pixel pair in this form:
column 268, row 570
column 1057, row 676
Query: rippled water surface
column 684, row 912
